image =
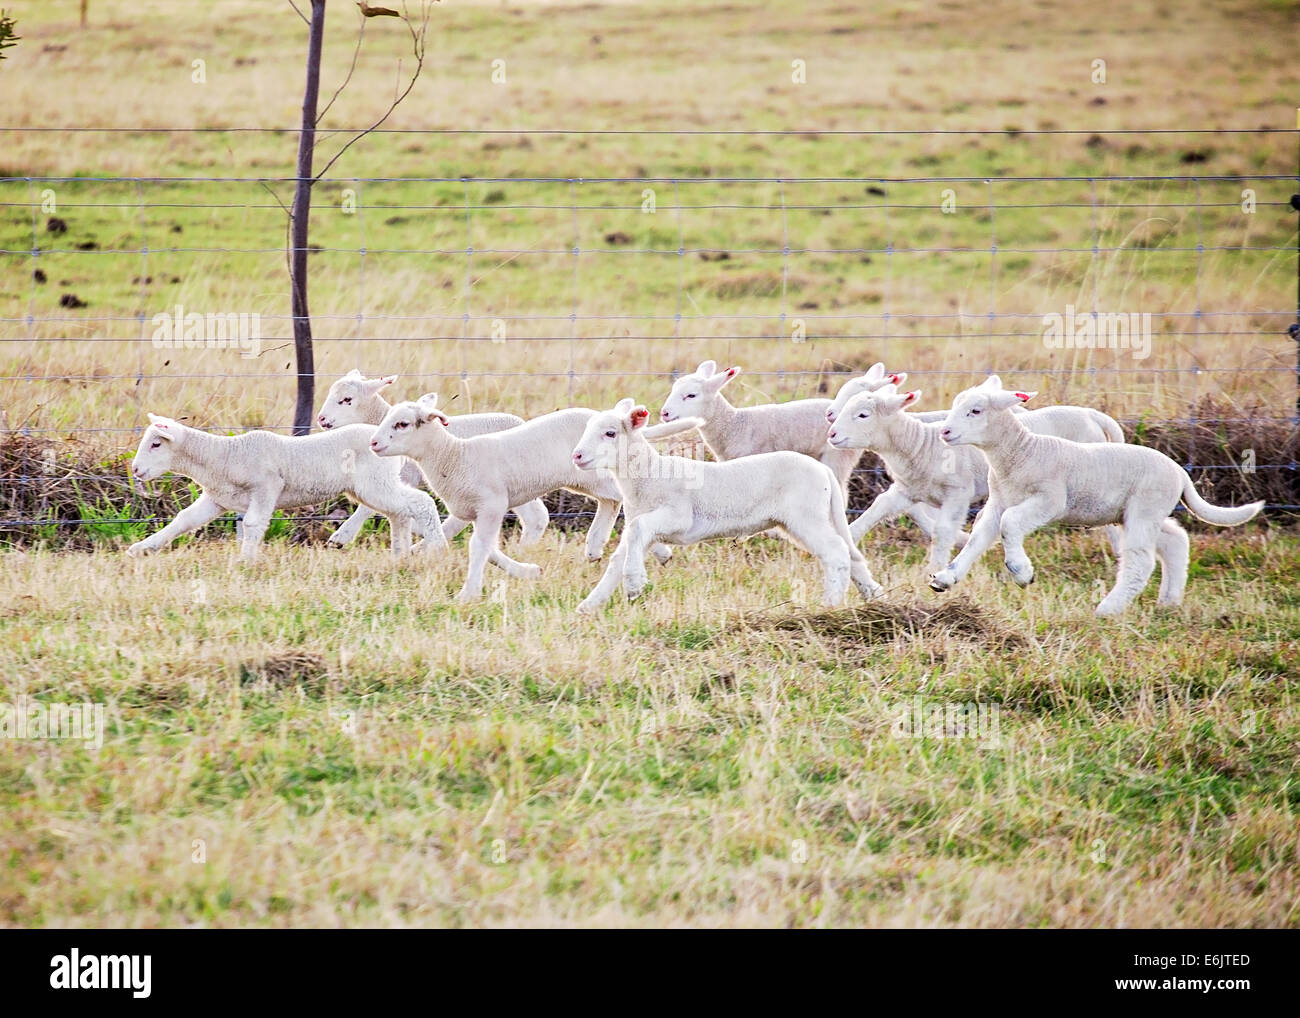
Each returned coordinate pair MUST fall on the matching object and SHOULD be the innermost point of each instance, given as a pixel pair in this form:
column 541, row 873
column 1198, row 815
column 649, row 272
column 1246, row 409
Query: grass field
column 326, row 738
column 349, row 747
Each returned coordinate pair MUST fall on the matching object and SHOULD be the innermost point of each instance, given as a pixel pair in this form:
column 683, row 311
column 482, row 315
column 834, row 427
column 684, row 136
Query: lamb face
column 863, row 418
column 603, row 442
column 349, row 399
column 695, row 395
column 974, row 414
column 399, row 433
column 874, row 379
column 153, row 457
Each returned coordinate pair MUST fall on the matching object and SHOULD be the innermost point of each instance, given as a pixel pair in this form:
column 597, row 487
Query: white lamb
column 932, row 482
column 1077, row 423
column 259, row 472
column 1035, row 480
column 682, row 501
column 480, row 478
column 731, row 432
column 355, row 399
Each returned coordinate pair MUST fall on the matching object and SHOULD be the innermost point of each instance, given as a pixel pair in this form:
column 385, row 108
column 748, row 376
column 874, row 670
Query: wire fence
column 1162, row 297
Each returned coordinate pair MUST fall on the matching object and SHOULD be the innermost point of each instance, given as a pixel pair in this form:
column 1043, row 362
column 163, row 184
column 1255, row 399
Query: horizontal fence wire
column 896, row 216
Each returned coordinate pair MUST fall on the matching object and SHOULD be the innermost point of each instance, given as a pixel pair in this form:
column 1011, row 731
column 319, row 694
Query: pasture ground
column 349, row 747
column 325, row 738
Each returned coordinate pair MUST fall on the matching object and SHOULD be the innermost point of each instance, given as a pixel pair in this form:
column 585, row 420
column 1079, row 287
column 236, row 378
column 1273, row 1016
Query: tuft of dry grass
column 884, row 622
column 299, row 669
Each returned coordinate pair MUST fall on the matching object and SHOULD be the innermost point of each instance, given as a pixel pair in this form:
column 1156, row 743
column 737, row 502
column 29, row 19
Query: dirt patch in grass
column 882, row 622
column 294, row 668
column 756, row 284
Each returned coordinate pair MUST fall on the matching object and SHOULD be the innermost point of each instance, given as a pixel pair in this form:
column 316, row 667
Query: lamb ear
column 706, row 369
column 167, row 428
column 624, row 406
column 355, row 373
column 375, row 384
column 876, row 371
column 429, row 399
column 1003, row 400
column 992, row 382
column 719, row 380
column 898, row 377
column 638, row 417
column 889, row 399
column 910, row 397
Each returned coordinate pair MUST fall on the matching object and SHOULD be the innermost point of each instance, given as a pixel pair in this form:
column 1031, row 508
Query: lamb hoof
column 337, row 545
column 592, row 558
column 942, row 580
column 587, row 608
column 468, row 596
column 1021, row 579
column 530, row 572
column 1108, row 611
column 138, row 550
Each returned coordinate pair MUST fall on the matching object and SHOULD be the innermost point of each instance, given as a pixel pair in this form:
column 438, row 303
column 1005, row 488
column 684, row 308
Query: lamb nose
column 663, row 414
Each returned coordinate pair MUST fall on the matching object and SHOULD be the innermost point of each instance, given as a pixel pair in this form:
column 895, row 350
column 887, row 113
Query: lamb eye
column 611, row 434
column 862, row 417
column 689, row 395
column 156, row 444
column 976, row 412
column 400, row 424
column 345, row 401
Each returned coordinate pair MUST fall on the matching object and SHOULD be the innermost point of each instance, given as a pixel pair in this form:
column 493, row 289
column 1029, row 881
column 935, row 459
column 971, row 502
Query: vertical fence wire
column 1196, row 327
column 359, row 212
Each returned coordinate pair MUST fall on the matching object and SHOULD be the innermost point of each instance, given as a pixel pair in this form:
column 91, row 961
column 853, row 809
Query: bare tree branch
column 299, row 13
column 288, row 226
column 417, row 48
column 355, row 53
